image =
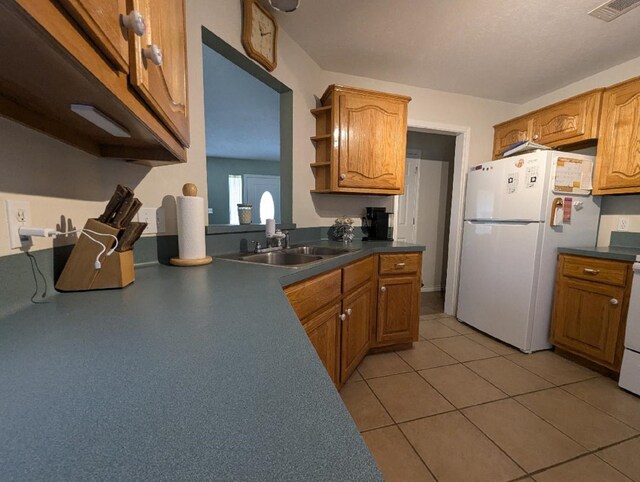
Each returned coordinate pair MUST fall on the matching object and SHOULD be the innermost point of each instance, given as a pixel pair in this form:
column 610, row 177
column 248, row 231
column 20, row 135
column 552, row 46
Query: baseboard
column 430, row 289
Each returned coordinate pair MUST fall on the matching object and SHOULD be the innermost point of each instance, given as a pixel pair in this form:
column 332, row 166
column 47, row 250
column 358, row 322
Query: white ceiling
column 510, row 50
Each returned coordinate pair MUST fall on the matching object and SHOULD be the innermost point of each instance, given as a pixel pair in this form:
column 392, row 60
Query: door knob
column 349, row 311
column 134, row 22
column 383, row 289
column 343, row 317
column 613, row 301
column 153, row 53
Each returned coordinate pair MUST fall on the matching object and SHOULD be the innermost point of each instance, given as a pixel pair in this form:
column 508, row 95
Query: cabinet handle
column 400, row 265
column 153, row 53
column 343, row 317
column 535, row 137
column 591, row 271
column 613, row 301
column 383, row 289
column 349, row 312
column 134, row 22
column 343, row 176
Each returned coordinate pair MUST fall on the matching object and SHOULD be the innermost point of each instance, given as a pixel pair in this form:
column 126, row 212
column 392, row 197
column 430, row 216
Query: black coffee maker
column 377, row 224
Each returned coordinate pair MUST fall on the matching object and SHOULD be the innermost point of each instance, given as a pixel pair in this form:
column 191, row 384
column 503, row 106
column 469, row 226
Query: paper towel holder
column 190, row 189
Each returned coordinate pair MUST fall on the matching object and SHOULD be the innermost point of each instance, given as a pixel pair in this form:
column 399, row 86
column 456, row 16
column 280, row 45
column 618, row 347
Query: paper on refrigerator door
column 573, row 175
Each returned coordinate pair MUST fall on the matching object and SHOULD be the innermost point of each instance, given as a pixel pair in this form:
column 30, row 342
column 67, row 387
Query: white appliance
column 630, row 371
column 509, row 247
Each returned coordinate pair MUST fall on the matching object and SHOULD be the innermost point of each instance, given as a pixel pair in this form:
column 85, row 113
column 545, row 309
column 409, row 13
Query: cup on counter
column 244, row 213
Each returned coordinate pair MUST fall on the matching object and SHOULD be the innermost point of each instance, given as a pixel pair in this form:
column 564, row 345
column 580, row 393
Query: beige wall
column 61, row 181
column 613, row 207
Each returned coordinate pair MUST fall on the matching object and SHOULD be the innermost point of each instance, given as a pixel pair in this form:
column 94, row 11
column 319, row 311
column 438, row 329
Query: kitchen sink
column 280, row 258
column 318, row 250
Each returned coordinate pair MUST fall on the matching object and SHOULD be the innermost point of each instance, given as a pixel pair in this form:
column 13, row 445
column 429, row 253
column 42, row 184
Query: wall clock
column 260, row 34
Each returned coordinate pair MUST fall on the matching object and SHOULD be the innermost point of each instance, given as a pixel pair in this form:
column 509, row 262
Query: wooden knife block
column 79, row 273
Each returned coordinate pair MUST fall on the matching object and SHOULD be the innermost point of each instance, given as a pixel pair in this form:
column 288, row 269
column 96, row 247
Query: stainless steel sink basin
column 318, row 250
column 280, row 258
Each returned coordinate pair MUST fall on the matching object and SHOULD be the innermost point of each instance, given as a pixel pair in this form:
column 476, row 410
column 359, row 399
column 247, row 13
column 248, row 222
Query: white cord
column 97, row 263
column 82, row 231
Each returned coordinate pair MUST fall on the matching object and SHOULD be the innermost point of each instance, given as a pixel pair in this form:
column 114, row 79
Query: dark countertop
column 188, row 374
column 608, row 252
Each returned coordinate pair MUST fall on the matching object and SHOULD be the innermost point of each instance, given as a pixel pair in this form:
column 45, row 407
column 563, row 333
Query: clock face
column 263, row 33
column 260, row 34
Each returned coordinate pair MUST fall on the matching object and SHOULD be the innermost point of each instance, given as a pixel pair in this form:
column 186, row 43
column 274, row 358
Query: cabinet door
column 356, row 329
column 322, row 330
column 372, row 145
column 618, row 161
column 398, row 299
column 507, row 134
column 587, row 320
column 163, row 86
column 100, row 19
column 567, row 122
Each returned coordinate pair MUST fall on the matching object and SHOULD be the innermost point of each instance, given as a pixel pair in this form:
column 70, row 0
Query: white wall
column 613, row 207
column 61, row 181
column 432, row 203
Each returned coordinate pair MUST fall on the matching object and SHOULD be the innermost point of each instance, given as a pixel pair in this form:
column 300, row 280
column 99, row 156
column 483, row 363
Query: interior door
column 406, row 228
column 263, row 192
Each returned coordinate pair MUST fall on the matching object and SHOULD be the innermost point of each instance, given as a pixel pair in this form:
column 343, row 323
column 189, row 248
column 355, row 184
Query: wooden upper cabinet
column 361, row 139
column 89, row 59
column 569, row 121
column 372, row 142
column 509, row 133
column 100, row 19
column 162, row 79
column 618, row 160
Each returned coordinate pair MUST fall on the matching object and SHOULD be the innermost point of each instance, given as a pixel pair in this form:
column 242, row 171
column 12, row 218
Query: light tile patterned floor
column 462, row 406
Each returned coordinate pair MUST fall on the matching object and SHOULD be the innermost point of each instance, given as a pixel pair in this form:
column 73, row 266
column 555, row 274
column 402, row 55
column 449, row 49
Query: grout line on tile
column 562, row 387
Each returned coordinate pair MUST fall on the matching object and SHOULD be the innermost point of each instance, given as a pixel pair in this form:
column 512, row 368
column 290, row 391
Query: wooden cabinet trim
column 596, row 270
column 310, row 295
column 357, row 273
column 400, row 263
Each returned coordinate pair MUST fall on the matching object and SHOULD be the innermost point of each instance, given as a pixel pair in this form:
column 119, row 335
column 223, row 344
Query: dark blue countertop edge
column 190, row 373
column 608, row 252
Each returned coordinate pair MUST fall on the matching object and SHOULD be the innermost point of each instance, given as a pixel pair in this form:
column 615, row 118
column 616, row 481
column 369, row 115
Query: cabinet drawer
column 598, row 270
column 311, row 295
column 399, row 263
column 357, row 273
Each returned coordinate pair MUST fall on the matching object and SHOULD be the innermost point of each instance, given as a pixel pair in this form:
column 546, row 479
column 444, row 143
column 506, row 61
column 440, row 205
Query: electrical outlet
column 18, row 214
column 155, row 219
column 623, row 223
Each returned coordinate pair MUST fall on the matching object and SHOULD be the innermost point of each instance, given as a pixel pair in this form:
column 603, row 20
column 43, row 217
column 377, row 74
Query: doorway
column 441, row 154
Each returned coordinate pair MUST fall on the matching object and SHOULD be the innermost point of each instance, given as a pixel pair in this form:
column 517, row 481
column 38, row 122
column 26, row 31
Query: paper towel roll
column 191, row 241
column 270, row 228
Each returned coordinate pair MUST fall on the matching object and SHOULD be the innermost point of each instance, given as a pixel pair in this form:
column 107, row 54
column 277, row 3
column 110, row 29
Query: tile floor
column 431, row 303
column 461, row 406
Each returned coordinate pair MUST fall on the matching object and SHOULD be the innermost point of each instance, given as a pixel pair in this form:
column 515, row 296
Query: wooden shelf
column 321, row 110
column 323, row 137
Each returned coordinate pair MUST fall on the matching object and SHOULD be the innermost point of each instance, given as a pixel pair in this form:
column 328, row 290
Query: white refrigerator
column 513, row 225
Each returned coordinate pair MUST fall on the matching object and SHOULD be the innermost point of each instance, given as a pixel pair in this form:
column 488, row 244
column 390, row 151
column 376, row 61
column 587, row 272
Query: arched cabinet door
column 618, row 161
column 158, row 63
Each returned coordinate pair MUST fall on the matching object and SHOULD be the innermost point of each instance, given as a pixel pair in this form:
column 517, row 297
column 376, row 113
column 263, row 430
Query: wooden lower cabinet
column 356, row 329
column 398, row 309
column 589, row 315
column 323, row 332
column 346, row 312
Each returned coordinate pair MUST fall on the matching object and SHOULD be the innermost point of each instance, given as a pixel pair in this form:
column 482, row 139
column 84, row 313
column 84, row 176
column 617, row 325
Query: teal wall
column 218, row 171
